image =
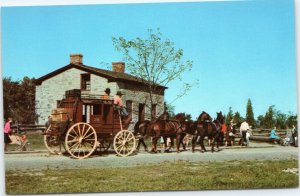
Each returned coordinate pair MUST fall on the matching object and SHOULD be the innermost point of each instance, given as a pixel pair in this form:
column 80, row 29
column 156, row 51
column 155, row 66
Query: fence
column 20, row 128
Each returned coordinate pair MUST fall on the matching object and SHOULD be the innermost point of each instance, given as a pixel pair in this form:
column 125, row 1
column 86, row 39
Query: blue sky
column 240, row 49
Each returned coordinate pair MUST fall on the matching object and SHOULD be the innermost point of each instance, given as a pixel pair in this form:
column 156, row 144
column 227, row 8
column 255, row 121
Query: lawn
column 157, row 177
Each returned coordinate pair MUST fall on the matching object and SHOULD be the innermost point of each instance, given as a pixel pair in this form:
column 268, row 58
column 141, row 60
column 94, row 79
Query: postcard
column 146, row 96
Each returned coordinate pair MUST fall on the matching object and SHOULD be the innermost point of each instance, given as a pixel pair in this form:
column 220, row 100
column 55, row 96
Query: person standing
column 232, row 132
column 243, row 130
column 222, row 133
column 7, row 131
column 119, row 104
column 295, row 136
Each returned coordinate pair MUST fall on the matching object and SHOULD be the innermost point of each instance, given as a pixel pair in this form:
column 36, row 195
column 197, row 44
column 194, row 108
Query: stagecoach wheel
column 124, row 143
column 53, row 143
column 81, row 140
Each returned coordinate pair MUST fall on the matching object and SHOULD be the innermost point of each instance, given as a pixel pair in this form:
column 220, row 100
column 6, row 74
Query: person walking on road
column 243, row 130
column 7, row 132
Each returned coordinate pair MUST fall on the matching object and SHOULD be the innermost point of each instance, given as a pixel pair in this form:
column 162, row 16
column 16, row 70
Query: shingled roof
column 112, row 76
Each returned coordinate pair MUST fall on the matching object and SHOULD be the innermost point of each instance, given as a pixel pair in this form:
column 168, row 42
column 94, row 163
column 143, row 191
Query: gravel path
column 40, row 161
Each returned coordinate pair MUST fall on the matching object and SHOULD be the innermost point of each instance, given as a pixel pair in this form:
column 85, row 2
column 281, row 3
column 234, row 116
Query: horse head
column 220, row 117
column 181, row 117
column 204, row 117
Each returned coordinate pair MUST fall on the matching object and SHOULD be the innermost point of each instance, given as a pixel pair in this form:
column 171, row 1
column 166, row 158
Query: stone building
column 50, row 88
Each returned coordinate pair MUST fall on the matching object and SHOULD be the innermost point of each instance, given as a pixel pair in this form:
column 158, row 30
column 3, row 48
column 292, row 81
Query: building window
column 153, row 111
column 85, row 82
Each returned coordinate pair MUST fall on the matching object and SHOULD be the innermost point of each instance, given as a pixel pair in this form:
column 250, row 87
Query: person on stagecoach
column 119, row 104
column 106, row 95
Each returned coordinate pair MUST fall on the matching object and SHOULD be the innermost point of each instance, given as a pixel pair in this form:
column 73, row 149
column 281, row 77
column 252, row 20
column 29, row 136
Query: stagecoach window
column 96, row 109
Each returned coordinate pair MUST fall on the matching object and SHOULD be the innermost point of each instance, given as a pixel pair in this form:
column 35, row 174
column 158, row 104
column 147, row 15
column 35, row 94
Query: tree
column 19, row 100
column 238, row 119
column 170, row 109
column 229, row 116
column 249, row 114
column 269, row 120
column 291, row 120
column 260, row 120
column 280, row 119
column 154, row 61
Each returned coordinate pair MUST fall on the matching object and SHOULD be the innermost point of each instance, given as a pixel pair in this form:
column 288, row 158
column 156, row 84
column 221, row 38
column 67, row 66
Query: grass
column 157, row 177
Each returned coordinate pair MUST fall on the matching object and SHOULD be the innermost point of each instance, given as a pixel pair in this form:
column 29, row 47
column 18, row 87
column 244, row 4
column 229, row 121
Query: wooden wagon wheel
column 124, row 143
column 53, row 143
column 81, row 140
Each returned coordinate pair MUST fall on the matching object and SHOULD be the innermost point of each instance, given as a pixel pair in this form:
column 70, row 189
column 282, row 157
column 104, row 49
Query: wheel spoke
column 75, row 132
column 83, row 129
column 70, row 147
column 86, row 132
column 89, row 135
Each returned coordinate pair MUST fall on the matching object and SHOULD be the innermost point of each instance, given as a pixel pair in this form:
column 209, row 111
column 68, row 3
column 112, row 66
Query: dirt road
column 40, row 161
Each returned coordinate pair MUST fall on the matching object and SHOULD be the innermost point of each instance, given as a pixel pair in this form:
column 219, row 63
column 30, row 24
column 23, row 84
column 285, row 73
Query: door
column 141, row 112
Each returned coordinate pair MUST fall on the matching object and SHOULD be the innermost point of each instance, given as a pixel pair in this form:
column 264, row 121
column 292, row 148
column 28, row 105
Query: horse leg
column 194, row 140
column 213, row 144
column 154, row 143
column 138, row 145
column 178, row 141
column 144, row 144
column 202, row 144
column 182, row 141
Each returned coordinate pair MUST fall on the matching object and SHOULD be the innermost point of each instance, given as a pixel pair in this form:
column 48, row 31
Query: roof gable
column 110, row 75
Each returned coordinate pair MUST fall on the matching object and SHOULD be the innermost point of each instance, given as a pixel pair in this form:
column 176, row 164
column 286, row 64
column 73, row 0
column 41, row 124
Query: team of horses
column 177, row 128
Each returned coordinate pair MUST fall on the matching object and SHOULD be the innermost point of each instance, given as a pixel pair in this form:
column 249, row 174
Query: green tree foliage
column 229, row 116
column 19, row 100
column 154, row 60
column 260, row 121
column 170, row 109
column 269, row 119
column 291, row 120
column 274, row 117
column 249, row 114
column 238, row 119
column 280, row 119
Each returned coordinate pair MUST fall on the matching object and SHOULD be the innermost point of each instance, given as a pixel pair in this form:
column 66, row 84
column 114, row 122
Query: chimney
column 118, row 67
column 76, row 59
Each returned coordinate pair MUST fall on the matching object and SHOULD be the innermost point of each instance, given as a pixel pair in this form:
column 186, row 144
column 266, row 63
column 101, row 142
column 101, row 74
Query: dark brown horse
column 160, row 127
column 205, row 127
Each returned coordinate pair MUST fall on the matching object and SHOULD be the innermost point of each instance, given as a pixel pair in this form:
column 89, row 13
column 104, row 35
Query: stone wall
column 138, row 97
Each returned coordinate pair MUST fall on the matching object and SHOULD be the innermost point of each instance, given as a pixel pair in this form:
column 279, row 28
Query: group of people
column 291, row 137
column 228, row 132
column 117, row 101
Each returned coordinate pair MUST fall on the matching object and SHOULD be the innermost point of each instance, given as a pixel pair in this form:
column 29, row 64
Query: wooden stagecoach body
column 83, row 123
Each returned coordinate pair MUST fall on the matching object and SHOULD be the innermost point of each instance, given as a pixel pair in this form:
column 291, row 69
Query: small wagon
column 82, row 123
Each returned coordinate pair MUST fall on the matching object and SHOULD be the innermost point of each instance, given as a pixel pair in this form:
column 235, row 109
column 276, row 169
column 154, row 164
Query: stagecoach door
column 86, row 113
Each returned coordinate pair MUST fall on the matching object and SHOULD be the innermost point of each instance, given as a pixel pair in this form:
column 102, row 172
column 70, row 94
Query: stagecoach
column 83, row 123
